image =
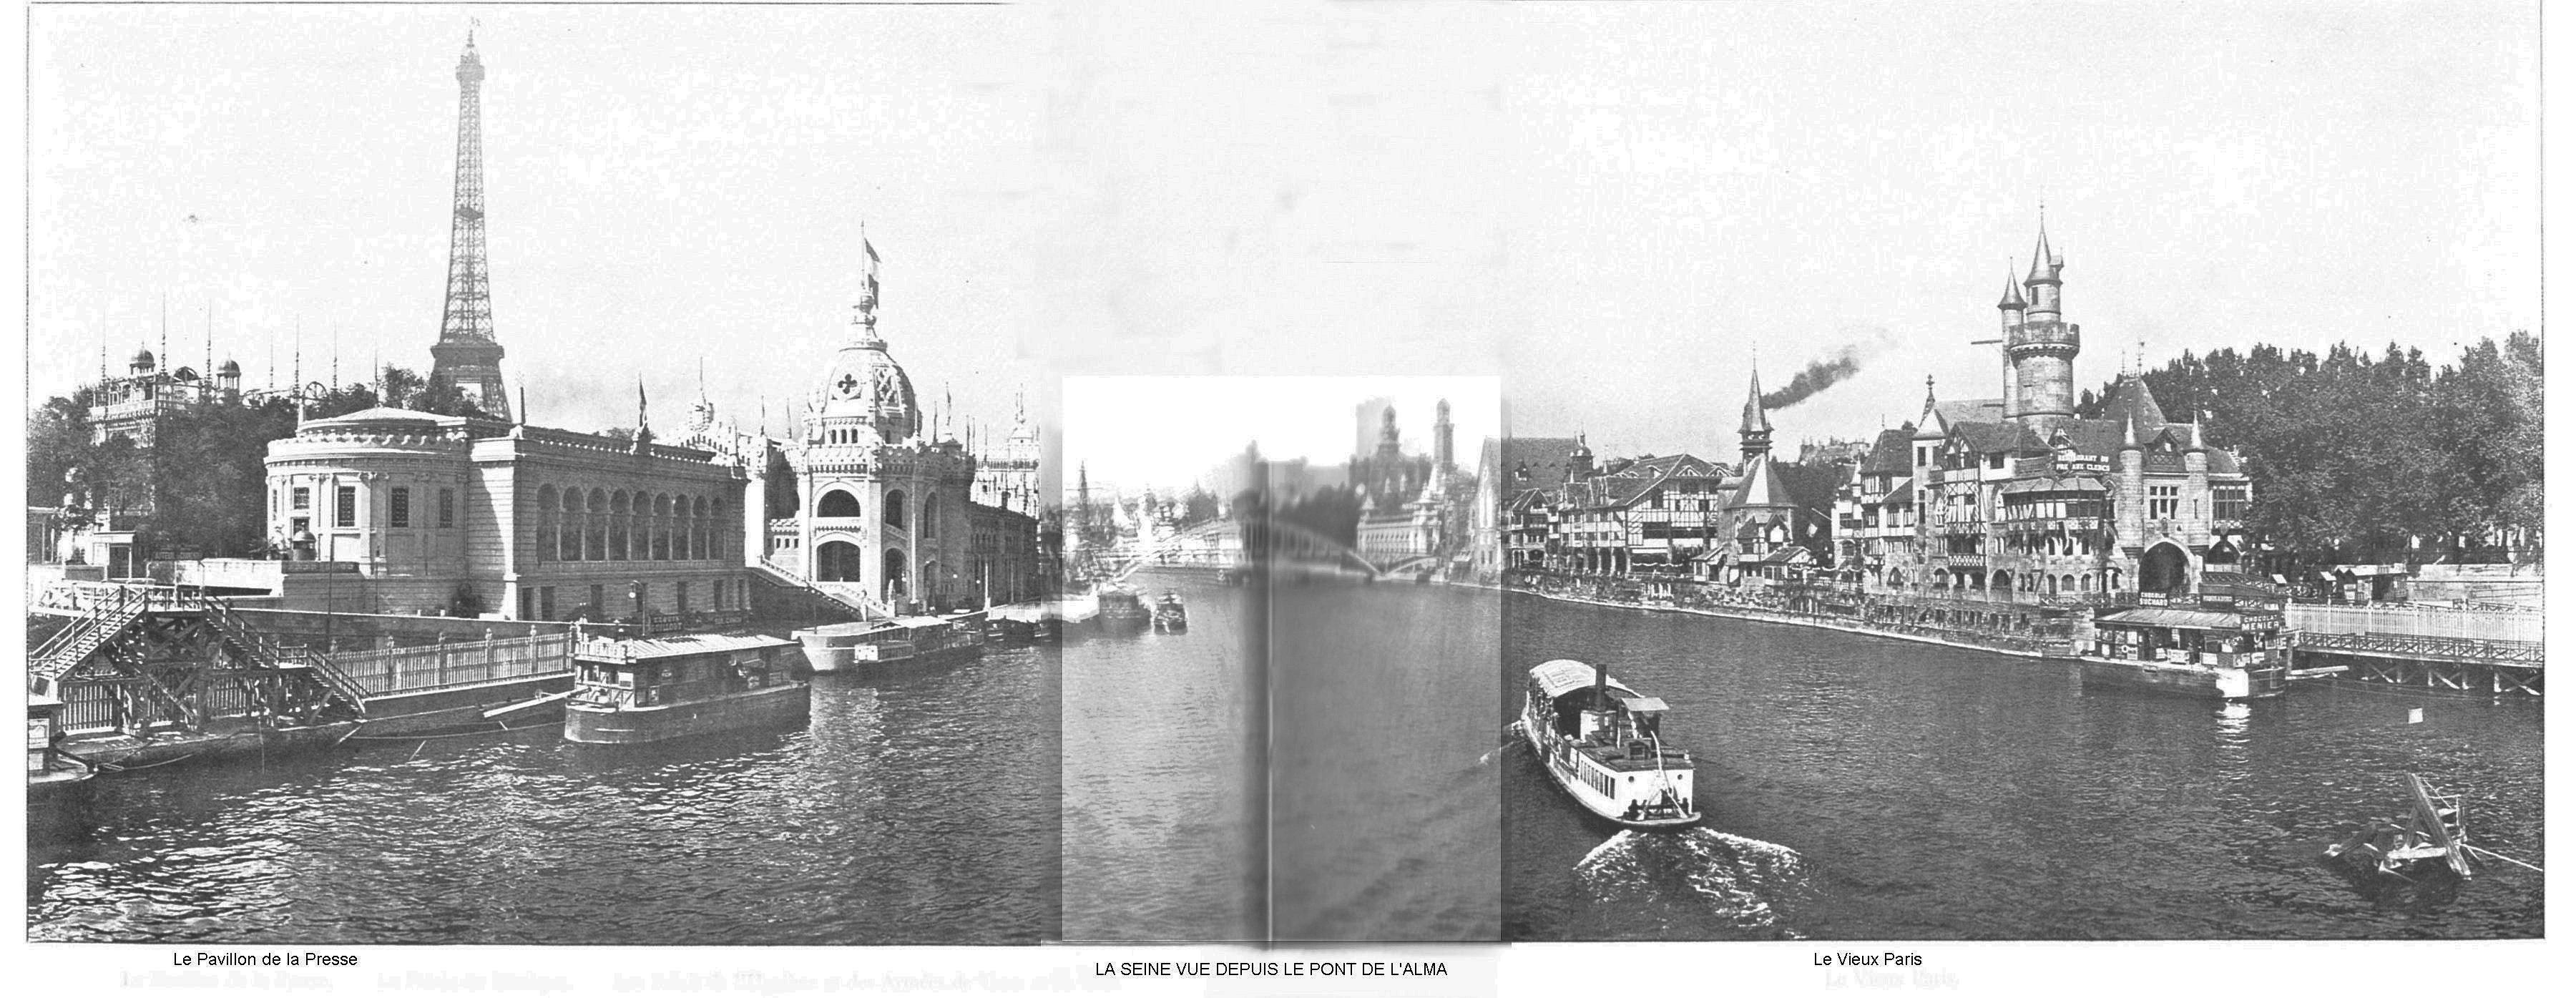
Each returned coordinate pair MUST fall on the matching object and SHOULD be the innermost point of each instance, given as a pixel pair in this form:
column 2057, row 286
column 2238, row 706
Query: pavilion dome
column 864, row 385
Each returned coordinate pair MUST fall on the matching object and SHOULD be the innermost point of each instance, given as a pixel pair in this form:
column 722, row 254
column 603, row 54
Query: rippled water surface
column 1163, row 735
column 914, row 807
column 1861, row 787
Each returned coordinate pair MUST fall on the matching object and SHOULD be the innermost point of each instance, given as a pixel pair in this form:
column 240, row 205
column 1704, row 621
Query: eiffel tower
column 466, row 355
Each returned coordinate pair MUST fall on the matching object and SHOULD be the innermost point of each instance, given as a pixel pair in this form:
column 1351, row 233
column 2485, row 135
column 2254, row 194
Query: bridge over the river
column 1232, row 544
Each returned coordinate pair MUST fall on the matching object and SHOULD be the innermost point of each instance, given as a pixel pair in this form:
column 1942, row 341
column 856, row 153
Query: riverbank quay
column 2024, row 628
column 2424, row 647
column 146, row 675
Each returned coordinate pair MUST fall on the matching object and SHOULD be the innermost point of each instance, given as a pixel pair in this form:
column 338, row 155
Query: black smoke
column 1817, row 377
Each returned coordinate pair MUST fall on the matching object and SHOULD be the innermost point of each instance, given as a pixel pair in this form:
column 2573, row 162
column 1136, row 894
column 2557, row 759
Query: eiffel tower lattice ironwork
column 467, row 355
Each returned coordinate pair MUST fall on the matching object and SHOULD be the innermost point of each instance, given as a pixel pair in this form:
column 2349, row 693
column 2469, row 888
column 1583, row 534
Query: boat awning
column 921, row 621
column 2157, row 616
column 1562, row 676
column 1640, row 705
column 675, row 645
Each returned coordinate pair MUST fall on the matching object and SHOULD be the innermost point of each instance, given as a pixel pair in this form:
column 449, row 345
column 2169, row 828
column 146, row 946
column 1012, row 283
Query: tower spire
column 467, row 355
column 1756, row 431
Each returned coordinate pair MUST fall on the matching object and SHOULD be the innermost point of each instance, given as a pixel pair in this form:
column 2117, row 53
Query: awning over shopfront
column 2157, row 616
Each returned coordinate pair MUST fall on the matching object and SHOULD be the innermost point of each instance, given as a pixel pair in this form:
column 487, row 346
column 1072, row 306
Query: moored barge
column 882, row 644
column 1121, row 610
column 637, row 690
column 2211, row 653
column 1602, row 743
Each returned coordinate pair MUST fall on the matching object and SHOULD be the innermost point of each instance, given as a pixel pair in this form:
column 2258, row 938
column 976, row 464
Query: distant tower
column 466, row 354
column 1444, row 447
column 2042, row 347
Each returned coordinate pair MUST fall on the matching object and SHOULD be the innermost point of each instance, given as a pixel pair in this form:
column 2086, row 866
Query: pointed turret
column 2012, row 300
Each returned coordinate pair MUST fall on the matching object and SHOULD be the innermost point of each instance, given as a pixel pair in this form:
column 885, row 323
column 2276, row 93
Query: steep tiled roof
column 1997, row 437
column 2131, row 400
column 1970, row 410
column 1543, row 457
column 1638, row 477
column 1892, row 455
column 2096, row 437
column 1901, row 495
column 1762, row 486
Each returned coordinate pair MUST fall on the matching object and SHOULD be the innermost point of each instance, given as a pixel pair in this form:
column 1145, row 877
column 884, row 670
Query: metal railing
column 2527, row 654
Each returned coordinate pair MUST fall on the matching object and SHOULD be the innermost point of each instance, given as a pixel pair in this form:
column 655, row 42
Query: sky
column 1618, row 209
column 664, row 187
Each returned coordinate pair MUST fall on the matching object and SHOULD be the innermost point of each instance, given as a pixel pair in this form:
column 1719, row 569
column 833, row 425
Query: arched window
column 661, row 528
column 549, row 543
column 894, row 508
column 595, row 544
column 837, row 502
column 716, row 545
column 701, row 529
column 929, row 516
column 621, row 511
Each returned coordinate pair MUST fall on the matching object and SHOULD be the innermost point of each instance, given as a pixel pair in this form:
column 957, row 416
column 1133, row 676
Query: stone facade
column 881, row 511
column 529, row 522
column 2018, row 497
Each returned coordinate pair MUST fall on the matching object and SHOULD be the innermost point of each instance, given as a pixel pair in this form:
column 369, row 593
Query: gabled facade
column 2018, row 498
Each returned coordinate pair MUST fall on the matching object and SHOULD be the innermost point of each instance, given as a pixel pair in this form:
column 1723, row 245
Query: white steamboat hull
column 1568, row 769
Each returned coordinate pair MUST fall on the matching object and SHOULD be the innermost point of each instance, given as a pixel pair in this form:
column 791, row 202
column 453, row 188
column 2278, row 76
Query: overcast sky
column 1614, row 207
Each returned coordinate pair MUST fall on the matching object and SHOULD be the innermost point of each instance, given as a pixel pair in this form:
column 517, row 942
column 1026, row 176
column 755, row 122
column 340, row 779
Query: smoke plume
column 1817, row 377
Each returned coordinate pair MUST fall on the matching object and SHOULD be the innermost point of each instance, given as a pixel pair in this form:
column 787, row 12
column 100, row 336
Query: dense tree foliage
column 2356, row 457
column 204, row 479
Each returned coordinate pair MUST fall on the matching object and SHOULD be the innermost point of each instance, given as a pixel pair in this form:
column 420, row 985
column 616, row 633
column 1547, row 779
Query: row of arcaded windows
column 574, row 524
column 839, row 503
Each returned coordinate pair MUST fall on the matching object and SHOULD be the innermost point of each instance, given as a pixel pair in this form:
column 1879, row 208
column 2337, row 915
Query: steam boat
column 632, row 690
column 1600, row 742
column 1170, row 617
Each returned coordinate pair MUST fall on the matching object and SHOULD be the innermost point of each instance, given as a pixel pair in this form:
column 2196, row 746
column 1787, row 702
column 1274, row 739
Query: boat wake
column 1511, row 737
column 1682, row 882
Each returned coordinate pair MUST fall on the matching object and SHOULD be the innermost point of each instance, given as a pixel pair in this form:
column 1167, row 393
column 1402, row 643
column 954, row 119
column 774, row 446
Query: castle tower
column 2041, row 348
column 1444, row 447
column 466, row 354
column 1756, row 431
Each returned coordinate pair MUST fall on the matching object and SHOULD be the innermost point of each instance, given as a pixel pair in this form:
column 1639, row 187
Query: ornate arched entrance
column 837, row 561
column 2165, row 569
column 898, row 575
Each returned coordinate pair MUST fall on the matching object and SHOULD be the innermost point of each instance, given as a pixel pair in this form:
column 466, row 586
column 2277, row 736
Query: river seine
column 916, row 807
column 1328, row 761
column 1867, row 788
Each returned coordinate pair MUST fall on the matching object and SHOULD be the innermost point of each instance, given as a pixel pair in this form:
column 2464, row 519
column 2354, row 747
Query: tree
column 2356, row 457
